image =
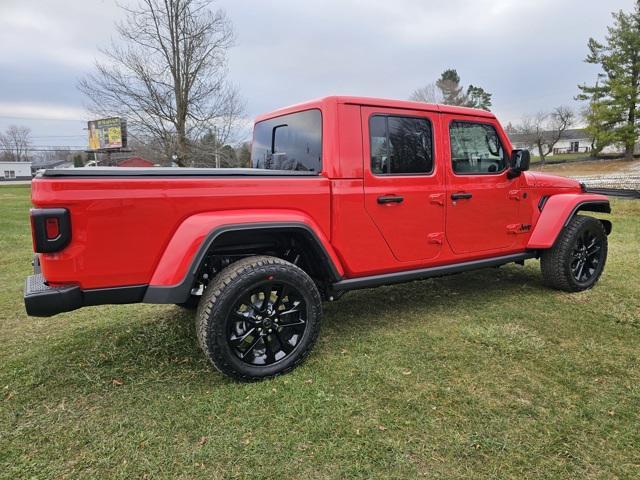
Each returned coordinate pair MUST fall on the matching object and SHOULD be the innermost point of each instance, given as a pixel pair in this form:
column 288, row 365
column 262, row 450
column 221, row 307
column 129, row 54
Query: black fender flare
column 593, row 206
column 180, row 292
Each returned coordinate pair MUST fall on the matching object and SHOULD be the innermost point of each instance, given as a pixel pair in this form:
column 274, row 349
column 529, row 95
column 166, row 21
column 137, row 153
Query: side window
column 476, row 149
column 289, row 142
column 400, row 145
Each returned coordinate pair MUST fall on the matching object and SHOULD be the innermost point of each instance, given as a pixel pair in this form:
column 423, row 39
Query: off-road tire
column 556, row 261
column 219, row 299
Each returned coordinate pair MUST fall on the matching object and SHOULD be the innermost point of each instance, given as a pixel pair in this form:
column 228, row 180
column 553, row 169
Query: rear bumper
column 42, row 300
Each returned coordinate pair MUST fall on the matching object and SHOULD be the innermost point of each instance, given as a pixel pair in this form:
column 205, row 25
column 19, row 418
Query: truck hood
column 543, row 180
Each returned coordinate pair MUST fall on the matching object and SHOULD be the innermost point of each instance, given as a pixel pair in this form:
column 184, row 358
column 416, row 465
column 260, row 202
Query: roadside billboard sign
column 107, row 133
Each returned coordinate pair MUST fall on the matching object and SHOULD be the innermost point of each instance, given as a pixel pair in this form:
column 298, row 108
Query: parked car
column 346, row 193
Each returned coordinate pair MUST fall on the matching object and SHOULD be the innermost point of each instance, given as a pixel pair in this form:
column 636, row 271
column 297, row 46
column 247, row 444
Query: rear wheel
column 576, row 260
column 259, row 318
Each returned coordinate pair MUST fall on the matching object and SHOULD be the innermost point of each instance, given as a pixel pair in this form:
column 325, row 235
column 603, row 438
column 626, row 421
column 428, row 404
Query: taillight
column 51, row 229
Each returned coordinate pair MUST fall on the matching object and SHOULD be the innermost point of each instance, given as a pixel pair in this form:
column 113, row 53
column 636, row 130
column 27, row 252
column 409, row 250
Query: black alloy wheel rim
column 586, row 257
column 267, row 323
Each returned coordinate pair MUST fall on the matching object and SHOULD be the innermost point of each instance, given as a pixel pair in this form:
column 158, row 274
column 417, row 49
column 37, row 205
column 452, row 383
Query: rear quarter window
column 289, row 142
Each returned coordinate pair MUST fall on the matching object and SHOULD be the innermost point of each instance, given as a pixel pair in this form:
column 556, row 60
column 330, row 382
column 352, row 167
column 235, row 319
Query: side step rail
column 423, row 273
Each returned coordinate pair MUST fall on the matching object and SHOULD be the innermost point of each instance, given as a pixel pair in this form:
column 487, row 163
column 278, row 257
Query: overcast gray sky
column 528, row 53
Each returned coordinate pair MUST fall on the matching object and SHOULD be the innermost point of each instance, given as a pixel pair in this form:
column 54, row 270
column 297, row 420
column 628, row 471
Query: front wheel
column 259, row 318
column 576, row 260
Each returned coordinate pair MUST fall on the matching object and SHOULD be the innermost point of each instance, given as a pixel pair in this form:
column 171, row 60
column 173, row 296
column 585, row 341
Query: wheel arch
column 176, row 271
column 559, row 210
column 241, row 237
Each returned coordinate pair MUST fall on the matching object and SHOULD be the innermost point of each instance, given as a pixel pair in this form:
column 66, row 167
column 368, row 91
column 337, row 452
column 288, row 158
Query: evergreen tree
column 612, row 114
column 78, row 161
column 449, row 85
column 453, row 93
column 228, row 157
column 244, row 154
column 478, row 98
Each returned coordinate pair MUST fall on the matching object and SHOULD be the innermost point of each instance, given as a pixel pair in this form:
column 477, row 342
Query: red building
column 135, row 162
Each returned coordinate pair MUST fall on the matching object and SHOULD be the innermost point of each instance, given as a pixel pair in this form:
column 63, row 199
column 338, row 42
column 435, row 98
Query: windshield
column 289, row 142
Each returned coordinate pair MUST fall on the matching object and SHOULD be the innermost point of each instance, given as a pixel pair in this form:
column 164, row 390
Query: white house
column 15, row 171
column 574, row 140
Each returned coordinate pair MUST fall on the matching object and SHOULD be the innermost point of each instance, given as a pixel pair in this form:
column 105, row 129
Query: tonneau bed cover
column 170, row 172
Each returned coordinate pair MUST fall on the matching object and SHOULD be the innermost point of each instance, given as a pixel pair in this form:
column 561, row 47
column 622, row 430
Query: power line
column 47, row 148
column 58, row 136
column 42, row 119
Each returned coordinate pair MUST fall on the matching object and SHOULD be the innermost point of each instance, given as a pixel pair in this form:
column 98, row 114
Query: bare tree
column 212, row 148
column 167, row 74
column 15, row 143
column 544, row 130
column 428, row 94
column 149, row 150
column 510, row 128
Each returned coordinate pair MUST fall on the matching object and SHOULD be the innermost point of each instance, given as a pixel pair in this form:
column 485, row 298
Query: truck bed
column 123, row 218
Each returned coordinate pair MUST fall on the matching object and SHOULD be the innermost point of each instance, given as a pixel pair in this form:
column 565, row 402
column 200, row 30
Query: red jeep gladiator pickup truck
column 344, row 193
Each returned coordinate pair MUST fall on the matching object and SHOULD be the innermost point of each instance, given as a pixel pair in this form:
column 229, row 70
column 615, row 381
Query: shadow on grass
column 467, row 291
column 151, row 344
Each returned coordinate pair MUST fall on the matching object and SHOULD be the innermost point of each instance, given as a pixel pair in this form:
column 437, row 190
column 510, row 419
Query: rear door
column 403, row 186
column 482, row 202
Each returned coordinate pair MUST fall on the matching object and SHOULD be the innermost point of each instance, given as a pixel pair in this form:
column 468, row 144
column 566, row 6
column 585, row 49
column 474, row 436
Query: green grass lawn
column 564, row 157
column 481, row 375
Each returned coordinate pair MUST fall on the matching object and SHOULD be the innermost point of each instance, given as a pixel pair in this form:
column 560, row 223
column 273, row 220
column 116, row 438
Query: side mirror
column 519, row 162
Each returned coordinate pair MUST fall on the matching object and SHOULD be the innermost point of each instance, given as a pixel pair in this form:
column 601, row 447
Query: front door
column 403, row 186
column 482, row 202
